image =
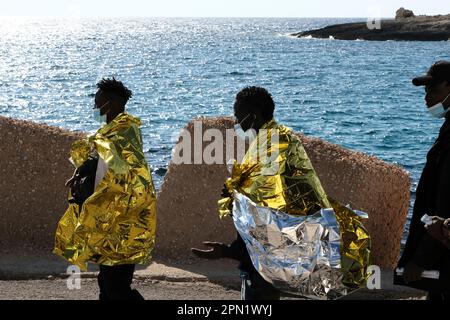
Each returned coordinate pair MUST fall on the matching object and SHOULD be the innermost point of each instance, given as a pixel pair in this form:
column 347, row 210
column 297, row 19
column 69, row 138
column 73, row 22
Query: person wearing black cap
column 423, row 251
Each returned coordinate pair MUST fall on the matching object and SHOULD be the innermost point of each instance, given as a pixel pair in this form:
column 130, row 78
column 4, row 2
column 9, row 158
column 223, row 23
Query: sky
column 218, row 8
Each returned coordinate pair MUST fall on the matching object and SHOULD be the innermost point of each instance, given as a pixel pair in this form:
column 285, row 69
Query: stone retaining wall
column 34, row 167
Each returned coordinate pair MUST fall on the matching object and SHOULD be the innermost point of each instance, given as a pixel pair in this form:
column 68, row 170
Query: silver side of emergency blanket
column 297, row 254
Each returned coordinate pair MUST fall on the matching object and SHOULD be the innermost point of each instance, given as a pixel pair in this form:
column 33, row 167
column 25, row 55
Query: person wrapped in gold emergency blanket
column 292, row 237
column 114, row 224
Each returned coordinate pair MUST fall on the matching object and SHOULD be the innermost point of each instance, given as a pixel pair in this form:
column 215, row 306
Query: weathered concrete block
column 34, row 167
column 187, row 202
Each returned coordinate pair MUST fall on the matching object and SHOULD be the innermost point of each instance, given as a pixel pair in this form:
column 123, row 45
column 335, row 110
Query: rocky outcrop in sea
column 405, row 27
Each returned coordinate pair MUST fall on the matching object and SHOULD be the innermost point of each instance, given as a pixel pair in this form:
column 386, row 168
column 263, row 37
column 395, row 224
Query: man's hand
column 412, row 273
column 436, row 229
column 217, row 252
column 445, row 233
column 447, row 229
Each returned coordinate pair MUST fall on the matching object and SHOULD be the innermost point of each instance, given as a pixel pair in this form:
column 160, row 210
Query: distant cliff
column 405, row 27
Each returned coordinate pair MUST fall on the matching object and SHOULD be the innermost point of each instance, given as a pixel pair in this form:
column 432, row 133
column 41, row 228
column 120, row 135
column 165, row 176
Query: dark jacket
column 238, row 251
column 432, row 198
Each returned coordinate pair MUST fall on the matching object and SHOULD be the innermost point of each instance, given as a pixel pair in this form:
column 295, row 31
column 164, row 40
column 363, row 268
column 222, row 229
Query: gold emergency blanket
column 276, row 173
column 117, row 224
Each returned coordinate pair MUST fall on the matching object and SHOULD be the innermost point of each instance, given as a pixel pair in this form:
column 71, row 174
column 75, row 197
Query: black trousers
column 254, row 287
column 115, row 283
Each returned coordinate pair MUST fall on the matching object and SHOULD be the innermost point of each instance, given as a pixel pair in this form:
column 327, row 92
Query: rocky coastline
column 405, row 27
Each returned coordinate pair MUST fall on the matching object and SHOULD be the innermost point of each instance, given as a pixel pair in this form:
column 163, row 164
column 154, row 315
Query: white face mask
column 438, row 110
column 97, row 114
column 249, row 135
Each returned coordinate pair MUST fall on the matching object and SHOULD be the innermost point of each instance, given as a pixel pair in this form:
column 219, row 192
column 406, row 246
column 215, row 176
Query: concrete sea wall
column 34, row 167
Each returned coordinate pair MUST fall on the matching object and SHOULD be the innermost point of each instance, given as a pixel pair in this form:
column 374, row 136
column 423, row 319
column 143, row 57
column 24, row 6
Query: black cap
column 439, row 72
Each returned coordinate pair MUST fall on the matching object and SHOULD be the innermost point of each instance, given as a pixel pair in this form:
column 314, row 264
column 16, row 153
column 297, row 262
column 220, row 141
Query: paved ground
column 56, row 289
column 218, row 280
